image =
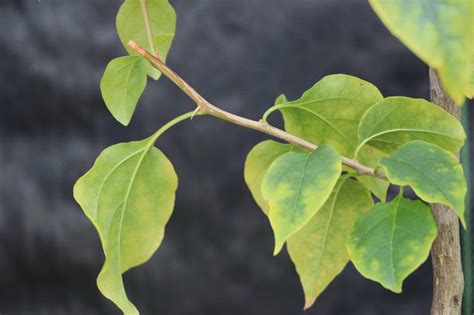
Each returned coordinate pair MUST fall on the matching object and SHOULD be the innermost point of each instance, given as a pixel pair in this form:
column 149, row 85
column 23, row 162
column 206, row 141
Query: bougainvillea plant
column 343, row 143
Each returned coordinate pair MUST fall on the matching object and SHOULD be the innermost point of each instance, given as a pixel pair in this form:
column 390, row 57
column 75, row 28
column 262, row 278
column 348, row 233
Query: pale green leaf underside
column 318, row 250
column 129, row 196
column 130, row 26
column 257, row 163
column 122, row 85
column 296, row 186
column 329, row 112
column 391, row 241
column 434, row 174
column 397, row 120
column 439, row 32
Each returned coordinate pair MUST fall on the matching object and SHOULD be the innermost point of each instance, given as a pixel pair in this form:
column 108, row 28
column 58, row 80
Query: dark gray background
column 217, row 254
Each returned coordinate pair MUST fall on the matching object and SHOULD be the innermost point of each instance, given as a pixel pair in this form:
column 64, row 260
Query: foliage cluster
column 319, row 207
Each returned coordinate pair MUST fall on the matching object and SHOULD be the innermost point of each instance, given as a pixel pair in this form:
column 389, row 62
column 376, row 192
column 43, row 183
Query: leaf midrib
column 299, row 188
column 338, row 190
column 122, row 215
column 392, row 264
column 372, row 137
column 127, row 94
column 110, row 173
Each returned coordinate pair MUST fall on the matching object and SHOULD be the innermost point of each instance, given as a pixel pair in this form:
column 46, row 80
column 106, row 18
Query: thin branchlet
column 206, row 107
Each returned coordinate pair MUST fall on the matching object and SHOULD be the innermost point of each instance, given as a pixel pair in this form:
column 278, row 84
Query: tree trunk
column 448, row 280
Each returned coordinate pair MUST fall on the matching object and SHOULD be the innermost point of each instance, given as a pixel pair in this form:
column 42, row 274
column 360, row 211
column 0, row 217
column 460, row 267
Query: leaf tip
column 278, row 247
column 123, row 121
column 281, row 99
column 396, row 289
column 308, row 304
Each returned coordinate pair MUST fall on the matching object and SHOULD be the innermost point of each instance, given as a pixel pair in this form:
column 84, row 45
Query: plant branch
column 149, row 32
column 207, row 108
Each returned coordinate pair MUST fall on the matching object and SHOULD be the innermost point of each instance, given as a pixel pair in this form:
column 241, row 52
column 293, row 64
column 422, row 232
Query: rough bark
column 448, row 280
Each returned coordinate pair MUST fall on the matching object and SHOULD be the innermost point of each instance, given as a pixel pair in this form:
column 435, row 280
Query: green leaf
column 318, row 250
column 163, row 45
column 397, row 120
column 130, row 26
column 257, row 163
column 129, row 196
column 439, row 32
column 122, row 86
column 296, row 186
column 434, row 174
column 330, row 112
column 392, row 240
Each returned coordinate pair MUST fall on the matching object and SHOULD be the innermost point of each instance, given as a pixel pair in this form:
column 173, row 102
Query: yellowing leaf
column 318, row 250
column 434, row 174
column 392, row 240
column 129, row 196
column 439, row 32
column 329, row 112
column 122, row 86
column 397, row 120
column 296, row 186
column 257, row 163
column 130, row 26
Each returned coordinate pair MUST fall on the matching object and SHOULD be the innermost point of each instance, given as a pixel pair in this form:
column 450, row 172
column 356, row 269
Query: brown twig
column 207, row 108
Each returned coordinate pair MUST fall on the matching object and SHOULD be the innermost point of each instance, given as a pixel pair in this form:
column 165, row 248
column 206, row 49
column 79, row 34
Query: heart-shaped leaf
column 329, row 112
column 392, row 240
column 296, row 186
column 397, row 120
column 318, row 250
column 434, row 174
column 129, row 196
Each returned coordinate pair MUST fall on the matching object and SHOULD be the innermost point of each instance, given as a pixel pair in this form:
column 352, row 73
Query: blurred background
column 217, row 254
